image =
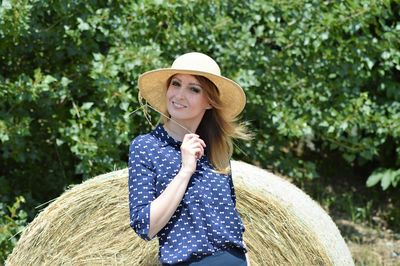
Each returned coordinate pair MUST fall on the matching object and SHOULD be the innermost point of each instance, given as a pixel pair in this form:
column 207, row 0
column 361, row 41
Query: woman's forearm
column 163, row 207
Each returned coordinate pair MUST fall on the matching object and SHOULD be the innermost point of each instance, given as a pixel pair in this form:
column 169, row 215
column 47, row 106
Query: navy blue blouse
column 206, row 220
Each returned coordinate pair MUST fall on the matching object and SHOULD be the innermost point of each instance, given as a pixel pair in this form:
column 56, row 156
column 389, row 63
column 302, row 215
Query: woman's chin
column 178, row 113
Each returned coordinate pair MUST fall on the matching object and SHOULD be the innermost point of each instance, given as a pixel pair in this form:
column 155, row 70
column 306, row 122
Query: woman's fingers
column 193, row 138
column 194, row 145
column 198, row 148
column 199, row 152
column 192, row 149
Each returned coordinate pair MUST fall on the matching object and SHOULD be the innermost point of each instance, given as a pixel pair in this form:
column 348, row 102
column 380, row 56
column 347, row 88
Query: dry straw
column 275, row 236
column 89, row 225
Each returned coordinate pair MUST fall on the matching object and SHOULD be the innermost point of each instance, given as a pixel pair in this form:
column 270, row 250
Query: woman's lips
column 178, row 105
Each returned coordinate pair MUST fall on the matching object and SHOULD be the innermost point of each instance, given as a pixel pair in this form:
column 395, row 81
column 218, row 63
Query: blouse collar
column 160, row 133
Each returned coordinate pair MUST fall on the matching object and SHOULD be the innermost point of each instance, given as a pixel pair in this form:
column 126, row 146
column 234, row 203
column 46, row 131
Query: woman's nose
column 180, row 93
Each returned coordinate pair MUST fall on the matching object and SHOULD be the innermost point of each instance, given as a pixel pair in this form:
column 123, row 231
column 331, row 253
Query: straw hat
column 153, row 84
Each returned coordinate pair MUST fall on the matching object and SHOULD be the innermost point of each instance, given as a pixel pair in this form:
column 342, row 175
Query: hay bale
column 299, row 206
column 89, row 225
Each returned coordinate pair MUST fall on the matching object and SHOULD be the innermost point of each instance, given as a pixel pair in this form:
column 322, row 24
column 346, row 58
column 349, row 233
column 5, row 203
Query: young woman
column 180, row 184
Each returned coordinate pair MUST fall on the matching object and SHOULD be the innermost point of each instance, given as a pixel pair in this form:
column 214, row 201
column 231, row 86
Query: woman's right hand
column 192, row 149
column 165, row 205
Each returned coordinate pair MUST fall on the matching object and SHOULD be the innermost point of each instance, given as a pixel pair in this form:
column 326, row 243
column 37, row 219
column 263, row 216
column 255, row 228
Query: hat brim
column 153, row 86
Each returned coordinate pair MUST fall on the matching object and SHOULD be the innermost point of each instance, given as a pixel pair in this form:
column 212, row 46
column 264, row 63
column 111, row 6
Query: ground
column 371, row 246
column 366, row 217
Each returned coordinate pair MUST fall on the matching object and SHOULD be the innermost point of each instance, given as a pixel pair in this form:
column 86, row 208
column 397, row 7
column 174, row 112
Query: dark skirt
column 233, row 257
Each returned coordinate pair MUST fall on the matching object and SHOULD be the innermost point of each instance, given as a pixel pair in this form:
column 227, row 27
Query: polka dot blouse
column 206, row 220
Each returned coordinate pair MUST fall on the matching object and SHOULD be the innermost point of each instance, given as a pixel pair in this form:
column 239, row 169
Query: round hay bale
column 298, row 206
column 89, row 225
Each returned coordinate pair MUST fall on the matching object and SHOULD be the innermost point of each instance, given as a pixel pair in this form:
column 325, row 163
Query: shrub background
column 321, row 79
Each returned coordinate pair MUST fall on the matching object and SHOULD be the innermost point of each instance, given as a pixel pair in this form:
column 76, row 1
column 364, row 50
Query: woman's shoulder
column 142, row 145
column 143, row 139
column 156, row 137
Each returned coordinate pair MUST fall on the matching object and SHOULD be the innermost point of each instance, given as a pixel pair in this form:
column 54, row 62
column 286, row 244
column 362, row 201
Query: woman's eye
column 175, row 83
column 195, row 89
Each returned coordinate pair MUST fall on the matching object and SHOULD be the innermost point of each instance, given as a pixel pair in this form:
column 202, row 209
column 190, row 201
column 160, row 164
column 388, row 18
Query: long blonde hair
column 217, row 131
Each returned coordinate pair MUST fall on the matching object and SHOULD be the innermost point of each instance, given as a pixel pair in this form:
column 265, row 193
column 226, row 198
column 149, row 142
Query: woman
column 180, row 184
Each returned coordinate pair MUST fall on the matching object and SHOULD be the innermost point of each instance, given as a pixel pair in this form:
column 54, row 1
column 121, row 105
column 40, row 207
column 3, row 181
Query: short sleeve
column 141, row 187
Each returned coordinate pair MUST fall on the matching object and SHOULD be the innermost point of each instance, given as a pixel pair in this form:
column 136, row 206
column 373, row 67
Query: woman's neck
column 176, row 131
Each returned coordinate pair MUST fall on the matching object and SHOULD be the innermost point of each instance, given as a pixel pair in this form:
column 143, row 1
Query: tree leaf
column 386, row 179
column 374, row 178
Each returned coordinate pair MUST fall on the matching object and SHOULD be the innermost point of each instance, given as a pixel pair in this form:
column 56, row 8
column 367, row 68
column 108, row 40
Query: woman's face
column 186, row 99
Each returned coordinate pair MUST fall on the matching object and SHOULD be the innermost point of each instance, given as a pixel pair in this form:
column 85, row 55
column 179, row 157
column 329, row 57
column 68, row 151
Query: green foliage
column 386, row 177
column 321, row 79
column 319, row 76
column 12, row 222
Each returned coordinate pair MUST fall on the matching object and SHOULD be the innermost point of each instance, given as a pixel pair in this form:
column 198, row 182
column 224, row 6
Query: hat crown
column 197, row 62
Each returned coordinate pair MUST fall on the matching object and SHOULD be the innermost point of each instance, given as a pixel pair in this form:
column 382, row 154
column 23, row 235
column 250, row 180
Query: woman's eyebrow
column 196, row 84
column 191, row 83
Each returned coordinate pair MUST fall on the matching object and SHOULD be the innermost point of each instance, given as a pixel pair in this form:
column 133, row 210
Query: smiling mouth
column 178, row 105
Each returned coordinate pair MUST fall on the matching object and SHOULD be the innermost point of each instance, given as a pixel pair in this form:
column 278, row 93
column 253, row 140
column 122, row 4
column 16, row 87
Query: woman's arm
column 165, row 205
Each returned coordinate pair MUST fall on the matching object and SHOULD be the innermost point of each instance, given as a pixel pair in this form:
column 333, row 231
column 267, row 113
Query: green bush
column 321, row 79
column 12, row 222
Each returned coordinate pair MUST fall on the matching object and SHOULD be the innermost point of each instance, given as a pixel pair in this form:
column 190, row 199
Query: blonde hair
column 217, row 131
